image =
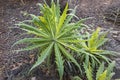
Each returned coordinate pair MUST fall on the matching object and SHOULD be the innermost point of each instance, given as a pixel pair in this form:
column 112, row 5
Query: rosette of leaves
column 103, row 73
column 54, row 34
column 91, row 51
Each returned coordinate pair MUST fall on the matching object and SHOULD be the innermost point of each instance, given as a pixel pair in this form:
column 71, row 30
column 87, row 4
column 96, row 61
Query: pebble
column 33, row 78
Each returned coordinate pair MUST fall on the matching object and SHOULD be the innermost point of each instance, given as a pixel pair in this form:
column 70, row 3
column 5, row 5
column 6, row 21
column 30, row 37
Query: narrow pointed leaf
column 34, row 46
column 30, row 40
column 69, row 56
column 59, row 61
column 110, row 68
column 31, row 29
column 43, row 56
column 103, row 76
column 62, row 18
column 100, row 71
column 68, row 19
column 88, row 72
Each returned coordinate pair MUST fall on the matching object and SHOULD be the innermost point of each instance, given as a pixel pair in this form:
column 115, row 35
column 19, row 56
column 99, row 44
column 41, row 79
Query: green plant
column 91, row 51
column 102, row 72
column 54, row 34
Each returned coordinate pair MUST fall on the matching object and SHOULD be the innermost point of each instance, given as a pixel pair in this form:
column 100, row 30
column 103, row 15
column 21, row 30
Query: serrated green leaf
column 110, row 76
column 34, row 46
column 110, row 68
column 69, row 56
column 69, row 17
column 92, row 40
column 43, row 56
column 88, row 72
column 104, row 58
column 69, row 46
column 59, row 61
column 30, row 40
column 103, row 76
column 31, row 29
column 100, row 71
column 62, row 18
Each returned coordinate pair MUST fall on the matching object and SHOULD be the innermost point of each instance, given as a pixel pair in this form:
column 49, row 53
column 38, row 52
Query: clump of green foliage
column 59, row 42
column 102, row 72
column 91, row 51
column 54, row 34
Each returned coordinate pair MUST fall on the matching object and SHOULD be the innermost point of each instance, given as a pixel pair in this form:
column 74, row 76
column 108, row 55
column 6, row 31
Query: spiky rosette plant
column 54, row 34
column 91, row 49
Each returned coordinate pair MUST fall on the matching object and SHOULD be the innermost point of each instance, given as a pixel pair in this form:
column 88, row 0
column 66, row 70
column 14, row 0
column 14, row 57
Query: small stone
column 118, row 38
column 0, row 51
column 33, row 78
column 115, row 32
column 117, row 79
column 115, row 36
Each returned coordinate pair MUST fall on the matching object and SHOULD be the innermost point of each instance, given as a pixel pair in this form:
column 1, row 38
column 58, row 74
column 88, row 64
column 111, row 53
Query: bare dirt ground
column 14, row 66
